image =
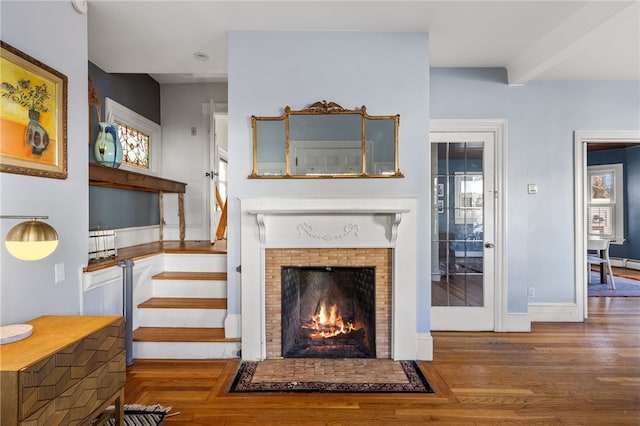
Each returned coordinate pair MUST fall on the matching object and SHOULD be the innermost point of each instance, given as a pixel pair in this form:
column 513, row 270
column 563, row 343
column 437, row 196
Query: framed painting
column 33, row 116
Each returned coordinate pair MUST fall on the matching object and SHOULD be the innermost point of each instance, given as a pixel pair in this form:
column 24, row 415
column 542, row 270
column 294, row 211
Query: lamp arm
column 9, row 216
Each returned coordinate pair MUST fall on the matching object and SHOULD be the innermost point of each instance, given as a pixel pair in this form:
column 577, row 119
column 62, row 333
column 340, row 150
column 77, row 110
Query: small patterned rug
column 322, row 376
column 141, row 415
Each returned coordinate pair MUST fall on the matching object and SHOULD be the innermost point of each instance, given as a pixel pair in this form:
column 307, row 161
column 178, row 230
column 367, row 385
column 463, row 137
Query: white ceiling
column 534, row 40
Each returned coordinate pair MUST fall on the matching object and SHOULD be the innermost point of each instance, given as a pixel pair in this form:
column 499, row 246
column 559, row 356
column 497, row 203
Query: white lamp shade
column 31, row 240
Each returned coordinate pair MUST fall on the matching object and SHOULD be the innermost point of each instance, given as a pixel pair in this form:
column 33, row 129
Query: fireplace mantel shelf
column 334, row 211
column 394, row 213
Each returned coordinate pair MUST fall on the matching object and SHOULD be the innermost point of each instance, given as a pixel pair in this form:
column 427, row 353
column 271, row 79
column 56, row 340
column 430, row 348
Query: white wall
column 388, row 72
column 56, row 35
column 185, row 157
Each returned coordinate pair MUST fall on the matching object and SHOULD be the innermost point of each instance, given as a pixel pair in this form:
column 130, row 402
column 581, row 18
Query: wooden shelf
column 124, row 179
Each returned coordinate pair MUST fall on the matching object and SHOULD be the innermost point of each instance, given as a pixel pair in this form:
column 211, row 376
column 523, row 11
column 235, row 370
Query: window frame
column 116, row 112
column 617, row 185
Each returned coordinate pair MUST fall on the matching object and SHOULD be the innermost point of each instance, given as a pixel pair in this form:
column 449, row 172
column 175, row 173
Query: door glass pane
column 457, row 212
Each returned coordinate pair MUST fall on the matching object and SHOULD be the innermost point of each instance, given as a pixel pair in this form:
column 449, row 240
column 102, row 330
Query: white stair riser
column 189, row 288
column 159, row 317
column 195, row 263
column 186, row 350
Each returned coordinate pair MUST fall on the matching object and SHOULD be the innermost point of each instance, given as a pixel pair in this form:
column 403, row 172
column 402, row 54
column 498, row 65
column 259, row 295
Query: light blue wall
column 53, row 33
column 542, row 116
column 385, row 71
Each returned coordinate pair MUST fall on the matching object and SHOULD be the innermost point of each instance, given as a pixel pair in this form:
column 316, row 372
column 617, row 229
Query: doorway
column 467, row 283
column 217, row 171
column 581, row 140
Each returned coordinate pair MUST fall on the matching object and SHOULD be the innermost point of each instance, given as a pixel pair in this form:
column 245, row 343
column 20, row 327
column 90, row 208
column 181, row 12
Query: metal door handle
column 488, row 245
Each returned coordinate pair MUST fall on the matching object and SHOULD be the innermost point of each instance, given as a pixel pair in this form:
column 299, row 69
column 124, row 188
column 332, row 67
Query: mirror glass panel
column 381, row 152
column 325, row 140
column 271, row 151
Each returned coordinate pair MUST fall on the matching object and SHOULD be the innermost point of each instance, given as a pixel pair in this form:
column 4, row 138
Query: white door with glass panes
column 462, row 230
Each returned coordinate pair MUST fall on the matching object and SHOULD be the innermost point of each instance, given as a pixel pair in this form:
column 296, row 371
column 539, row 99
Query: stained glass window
column 140, row 138
column 135, row 146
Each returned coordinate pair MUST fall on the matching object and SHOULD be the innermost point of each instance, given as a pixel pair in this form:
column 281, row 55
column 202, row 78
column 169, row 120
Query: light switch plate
column 532, row 188
column 59, row 272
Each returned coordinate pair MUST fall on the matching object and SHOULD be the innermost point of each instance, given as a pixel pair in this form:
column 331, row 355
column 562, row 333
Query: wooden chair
column 601, row 257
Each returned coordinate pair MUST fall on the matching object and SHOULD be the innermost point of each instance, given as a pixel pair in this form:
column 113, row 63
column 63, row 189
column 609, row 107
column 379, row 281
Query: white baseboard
column 554, row 312
column 424, row 347
column 516, row 323
column 127, row 237
column 632, row 264
column 625, row 263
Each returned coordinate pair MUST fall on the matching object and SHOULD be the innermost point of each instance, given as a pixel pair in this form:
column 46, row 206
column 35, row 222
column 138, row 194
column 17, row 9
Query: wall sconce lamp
column 32, row 239
column 29, row 240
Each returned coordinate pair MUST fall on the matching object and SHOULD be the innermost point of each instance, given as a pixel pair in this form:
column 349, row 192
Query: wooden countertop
column 50, row 334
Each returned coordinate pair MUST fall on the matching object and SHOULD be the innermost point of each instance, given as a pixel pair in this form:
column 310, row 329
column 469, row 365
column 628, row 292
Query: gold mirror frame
column 324, row 108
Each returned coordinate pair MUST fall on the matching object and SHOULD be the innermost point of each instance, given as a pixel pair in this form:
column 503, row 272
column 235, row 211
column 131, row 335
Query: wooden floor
column 561, row 373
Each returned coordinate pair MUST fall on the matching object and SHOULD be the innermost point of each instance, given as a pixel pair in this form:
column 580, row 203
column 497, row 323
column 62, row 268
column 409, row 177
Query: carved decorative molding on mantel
column 307, row 229
column 304, row 228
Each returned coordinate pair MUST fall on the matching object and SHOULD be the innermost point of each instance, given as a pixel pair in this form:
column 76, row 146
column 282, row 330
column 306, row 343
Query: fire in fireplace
column 328, row 312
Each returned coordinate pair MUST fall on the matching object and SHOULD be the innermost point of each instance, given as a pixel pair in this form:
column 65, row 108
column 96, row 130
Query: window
column 135, row 146
column 139, row 136
column 605, row 203
column 468, row 201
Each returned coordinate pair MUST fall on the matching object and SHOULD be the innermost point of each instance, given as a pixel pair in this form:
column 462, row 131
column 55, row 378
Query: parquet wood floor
column 559, row 374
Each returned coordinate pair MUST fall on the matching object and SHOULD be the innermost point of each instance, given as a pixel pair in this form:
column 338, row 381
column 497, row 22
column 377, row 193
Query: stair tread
column 180, row 334
column 185, row 303
column 177, row 275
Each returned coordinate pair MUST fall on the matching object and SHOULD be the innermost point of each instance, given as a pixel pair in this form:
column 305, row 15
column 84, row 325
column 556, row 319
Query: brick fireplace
column 377, row 258
column 321, row 232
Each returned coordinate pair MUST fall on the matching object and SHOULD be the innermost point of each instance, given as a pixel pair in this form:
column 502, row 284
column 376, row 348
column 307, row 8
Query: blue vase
column 36, row 136
column 108, row 150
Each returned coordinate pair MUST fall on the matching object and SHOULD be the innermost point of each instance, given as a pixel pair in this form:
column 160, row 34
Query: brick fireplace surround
column 328, row 232
column 380, row 258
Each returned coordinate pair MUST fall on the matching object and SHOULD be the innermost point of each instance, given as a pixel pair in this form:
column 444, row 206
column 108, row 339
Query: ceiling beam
column 577, row 32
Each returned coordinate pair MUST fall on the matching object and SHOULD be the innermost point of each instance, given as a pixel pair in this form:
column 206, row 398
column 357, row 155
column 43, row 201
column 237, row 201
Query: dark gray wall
column 116, row 208
column 630, row 159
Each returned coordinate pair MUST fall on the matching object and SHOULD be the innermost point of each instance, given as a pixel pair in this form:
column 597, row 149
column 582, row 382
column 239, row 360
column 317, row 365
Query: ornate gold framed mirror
column 325, row 141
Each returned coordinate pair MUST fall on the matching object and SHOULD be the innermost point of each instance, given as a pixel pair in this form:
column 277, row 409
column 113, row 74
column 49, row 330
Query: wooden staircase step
column 184, row 303
column 180, row 334
column 212, row 276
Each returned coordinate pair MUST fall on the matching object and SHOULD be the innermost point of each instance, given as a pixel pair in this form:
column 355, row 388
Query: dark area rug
column 415, row 383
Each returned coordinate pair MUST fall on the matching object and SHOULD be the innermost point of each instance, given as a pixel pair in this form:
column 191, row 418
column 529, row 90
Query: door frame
column 580, row 140
column 499, row 129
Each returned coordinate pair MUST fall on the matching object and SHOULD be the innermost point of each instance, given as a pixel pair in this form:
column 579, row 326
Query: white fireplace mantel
column 329, row 223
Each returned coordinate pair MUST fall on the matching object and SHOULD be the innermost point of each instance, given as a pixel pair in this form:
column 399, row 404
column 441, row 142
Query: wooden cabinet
column 67, row 372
